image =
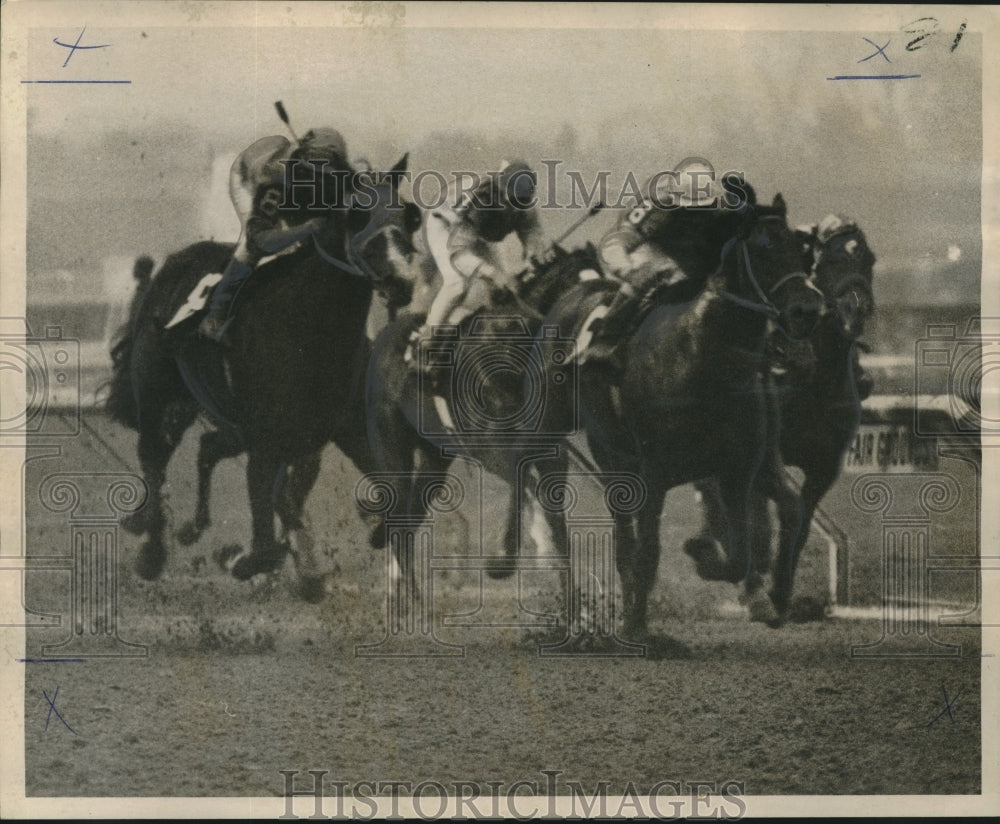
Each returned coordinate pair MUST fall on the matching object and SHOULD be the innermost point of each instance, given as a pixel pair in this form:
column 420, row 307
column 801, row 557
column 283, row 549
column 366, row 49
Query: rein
column 764, row 305
column 355, row 264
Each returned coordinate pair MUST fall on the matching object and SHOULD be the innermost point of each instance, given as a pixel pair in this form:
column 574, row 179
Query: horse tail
column 121, row 404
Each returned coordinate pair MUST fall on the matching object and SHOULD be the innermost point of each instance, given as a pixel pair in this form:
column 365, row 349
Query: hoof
column 151, row 561
column 135, row 524
column 189, row 534
column 225, row 556
column 502, row 568
column 804, row 609
column 710, row 561
column 762, row 610
column 663, row 648
column 247, row 566
column 312, row 589
column 377, row 538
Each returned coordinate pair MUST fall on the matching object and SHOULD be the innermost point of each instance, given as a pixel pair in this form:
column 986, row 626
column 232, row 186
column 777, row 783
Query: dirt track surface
column 243, row 680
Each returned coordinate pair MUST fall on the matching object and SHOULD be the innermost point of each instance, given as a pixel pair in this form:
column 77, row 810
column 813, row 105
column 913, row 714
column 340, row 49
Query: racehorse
column 475, row 401
column 689, row 402
column 290, row 381
column 815, row 407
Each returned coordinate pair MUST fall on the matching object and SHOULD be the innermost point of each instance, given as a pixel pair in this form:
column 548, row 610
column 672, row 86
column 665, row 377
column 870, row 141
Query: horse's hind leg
column 298, row 532
column 526, row 475
column 708, row 548
column 215, row 445
column 266, row 476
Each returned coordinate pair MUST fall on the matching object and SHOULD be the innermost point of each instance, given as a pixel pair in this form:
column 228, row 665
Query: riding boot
column 611, row 329
column 214, row 325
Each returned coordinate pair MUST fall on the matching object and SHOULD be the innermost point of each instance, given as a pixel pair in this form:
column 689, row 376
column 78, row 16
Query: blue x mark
column 878, row 50
column 948, row 703
column 52, row 709
column 73, row 47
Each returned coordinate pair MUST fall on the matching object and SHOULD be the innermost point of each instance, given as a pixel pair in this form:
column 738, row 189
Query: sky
column 116, row 170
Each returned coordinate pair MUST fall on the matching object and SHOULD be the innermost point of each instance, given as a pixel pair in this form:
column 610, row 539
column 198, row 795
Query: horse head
column 844, row 267
column 763, row 270
column 380, row 227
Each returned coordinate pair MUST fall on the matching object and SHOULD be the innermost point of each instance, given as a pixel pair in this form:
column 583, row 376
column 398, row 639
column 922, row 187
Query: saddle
column 610, row 353
column 198, row 299
column 203, row 365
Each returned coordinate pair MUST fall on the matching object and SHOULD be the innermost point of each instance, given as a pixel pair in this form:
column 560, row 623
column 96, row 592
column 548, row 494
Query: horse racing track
column 227, row 683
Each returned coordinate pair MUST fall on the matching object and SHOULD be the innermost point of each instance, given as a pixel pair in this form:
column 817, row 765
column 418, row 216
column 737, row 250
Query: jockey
column 634, row 253
column 257, row 185
column 461, row 239
column 838, row 243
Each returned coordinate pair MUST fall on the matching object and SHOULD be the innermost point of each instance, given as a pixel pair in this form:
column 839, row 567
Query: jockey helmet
column 695, row 184
column 322, row 144
column 517, row 183
column 833, row 225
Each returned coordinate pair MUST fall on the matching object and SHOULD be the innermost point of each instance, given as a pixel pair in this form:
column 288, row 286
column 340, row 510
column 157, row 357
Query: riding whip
column 593, row 210
column 529, row 273
column 284, row 119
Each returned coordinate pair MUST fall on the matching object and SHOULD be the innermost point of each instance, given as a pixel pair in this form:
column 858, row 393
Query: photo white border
column 19, row 16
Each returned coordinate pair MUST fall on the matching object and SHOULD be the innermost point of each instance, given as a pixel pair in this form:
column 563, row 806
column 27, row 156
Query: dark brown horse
column 814, row 407
column 690, row 402
column 291, row 380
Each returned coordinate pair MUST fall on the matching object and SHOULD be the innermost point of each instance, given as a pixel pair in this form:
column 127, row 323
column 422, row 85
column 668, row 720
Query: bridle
column 764, row 305
column 355, row 264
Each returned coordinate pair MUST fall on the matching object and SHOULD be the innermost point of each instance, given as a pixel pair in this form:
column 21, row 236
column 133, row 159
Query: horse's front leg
column 634, row 605
column 736, row 489
column 266, row 476
column 645, row 562
column 298, row 534
column 795, row 531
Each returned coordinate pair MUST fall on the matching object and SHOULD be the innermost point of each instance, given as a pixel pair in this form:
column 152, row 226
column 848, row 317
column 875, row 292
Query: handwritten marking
column 878, row 50
column 52, row 660
column 77, row 81
column 73, row 49
column 873, row 77
column 948, row 704
column 922, row 31
column 75, row 46
column 52, row 709
column 958, row 36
